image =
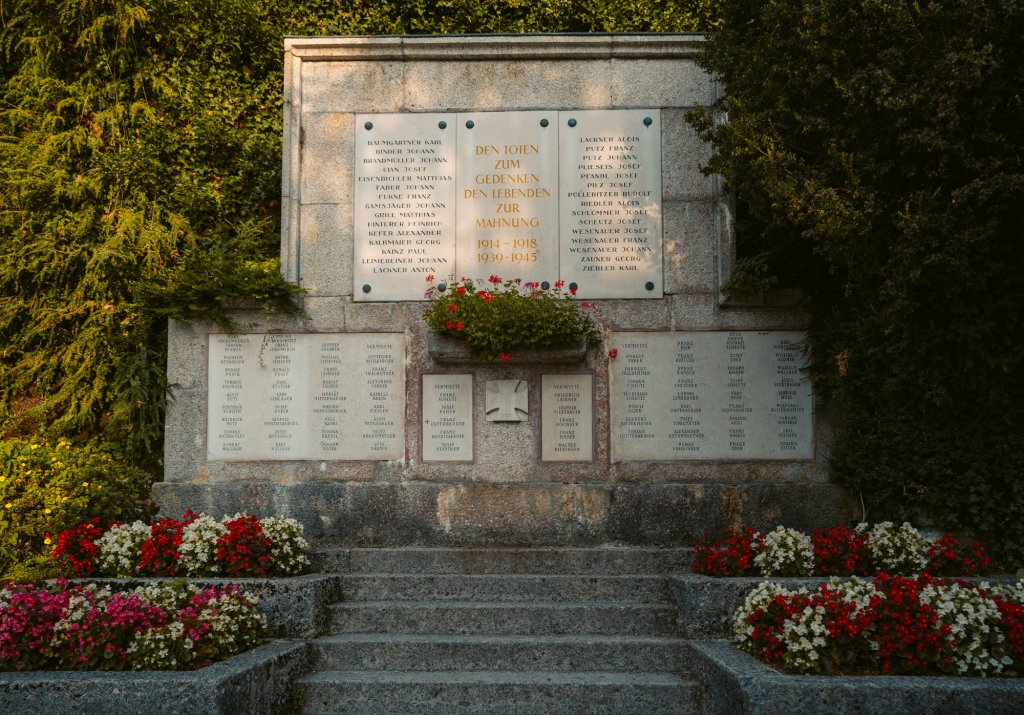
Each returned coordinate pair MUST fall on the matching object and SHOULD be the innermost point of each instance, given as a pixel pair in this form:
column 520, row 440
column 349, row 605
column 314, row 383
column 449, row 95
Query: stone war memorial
column 540, row 158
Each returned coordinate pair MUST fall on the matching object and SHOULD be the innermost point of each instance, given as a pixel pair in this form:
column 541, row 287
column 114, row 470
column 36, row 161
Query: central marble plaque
column 610, row 184
column 567, row 418
column 320, row 396
column 508, row 195
column 710, row 395
column 447, row 418
column 404, row 204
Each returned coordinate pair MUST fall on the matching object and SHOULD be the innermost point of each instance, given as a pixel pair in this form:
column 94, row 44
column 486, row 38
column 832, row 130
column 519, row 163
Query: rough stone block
column 656, row 83
column 684, row 154
column 325, row 260
column 690, row 253
column 339, row 86
column 500, row 85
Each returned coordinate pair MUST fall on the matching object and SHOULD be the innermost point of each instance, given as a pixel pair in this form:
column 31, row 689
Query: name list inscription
column 338, row 396
column 447, row 418
column 533, row 195
column 567, row 418
column 405, row 204
column 710, row 395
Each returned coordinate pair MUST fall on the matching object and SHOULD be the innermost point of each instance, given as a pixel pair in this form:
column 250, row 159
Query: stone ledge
column 295, row 607
column 257, row 682
column 734, row 683
column 448, row 351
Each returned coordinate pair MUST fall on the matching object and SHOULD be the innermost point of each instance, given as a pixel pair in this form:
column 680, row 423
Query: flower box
column 258, row 681
column 449, row 351
column 734, row 683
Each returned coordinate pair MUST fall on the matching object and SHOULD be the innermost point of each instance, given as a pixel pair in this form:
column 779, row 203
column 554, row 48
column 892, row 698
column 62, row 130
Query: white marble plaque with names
column 717, row 395
column 447, row 418
column 567, row 418
column 404, row 204
column 317, row 396
column 610, row 191
column 508, row 195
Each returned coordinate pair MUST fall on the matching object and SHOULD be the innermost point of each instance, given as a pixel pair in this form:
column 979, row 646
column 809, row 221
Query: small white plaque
column 508, row 195
column 447, row 418
column 610, row 187
column 567, row 416
column 306, row 396
column 404, row 204
column 710, row 395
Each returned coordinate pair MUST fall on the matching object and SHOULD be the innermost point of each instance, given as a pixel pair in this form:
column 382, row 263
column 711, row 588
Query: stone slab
column 404, row 225
column 710, row 395
column 287, row 396
column 610, row 243
column 447, row 418
column 734, row 683
column 567, row 418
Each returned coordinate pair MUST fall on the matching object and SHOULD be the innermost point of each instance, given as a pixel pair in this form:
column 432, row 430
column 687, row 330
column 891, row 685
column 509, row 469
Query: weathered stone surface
column 734, row 683
column 257, row 682
column 326, row 179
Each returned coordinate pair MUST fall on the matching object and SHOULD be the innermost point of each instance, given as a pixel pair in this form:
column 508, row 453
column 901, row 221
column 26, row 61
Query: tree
column 877, row 147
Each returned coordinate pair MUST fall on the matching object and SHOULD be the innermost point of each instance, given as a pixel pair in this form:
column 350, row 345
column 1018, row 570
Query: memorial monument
column 543, row 158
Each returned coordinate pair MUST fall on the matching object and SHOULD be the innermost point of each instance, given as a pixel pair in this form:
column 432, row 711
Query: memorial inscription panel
column 567, row 418
column 537, row 195
column 710, row 395
column 508, row 195
column 610, row 176
column 447, row 418
column 404, row 204
column 338, row 396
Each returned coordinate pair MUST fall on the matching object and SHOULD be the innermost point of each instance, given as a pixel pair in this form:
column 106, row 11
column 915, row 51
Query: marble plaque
column 508, row 195
column 710, row 395
column 321, row 396
column 610, row 191
column 567, row 418
column 447, row 418
column 404, row 204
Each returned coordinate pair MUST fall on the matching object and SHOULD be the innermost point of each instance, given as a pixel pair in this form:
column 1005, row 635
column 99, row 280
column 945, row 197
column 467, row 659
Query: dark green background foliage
column 877, row 146
column 140, row 166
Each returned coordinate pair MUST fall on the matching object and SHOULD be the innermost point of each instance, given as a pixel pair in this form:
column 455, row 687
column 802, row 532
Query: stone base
column 734, row 683
column 520, row 514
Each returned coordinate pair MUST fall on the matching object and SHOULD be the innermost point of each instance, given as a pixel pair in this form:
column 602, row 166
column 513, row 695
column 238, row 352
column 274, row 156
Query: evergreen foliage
column 877, row 147
column 140, row 166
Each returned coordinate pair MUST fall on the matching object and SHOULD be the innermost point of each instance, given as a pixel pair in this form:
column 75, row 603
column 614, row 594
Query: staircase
column 539, row 630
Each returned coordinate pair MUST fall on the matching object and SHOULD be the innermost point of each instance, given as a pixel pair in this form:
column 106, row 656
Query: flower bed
column 840, row 551
column 157, row 627
column 894, row 624
column 195, row 545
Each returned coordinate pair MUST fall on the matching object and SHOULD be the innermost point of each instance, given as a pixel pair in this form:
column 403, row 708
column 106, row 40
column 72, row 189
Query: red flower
column 430, row 277
column 572, row 291
column 245, row 550
column 613, row 353
column 495, row 280
column 461, row 290
column 452, row 306
column 559, row 284
column 76, row 549
column 449, row 325
column 506, row 356
column 460, row 325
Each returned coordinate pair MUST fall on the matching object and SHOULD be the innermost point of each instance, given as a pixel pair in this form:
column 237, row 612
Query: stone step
column 632, row 654
column 502, row 587
column 496, row 617
column 497, row 692
column 540, row 560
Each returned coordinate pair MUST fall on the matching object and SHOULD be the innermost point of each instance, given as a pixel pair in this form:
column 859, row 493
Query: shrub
column 47, row 488
column 876, row 152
